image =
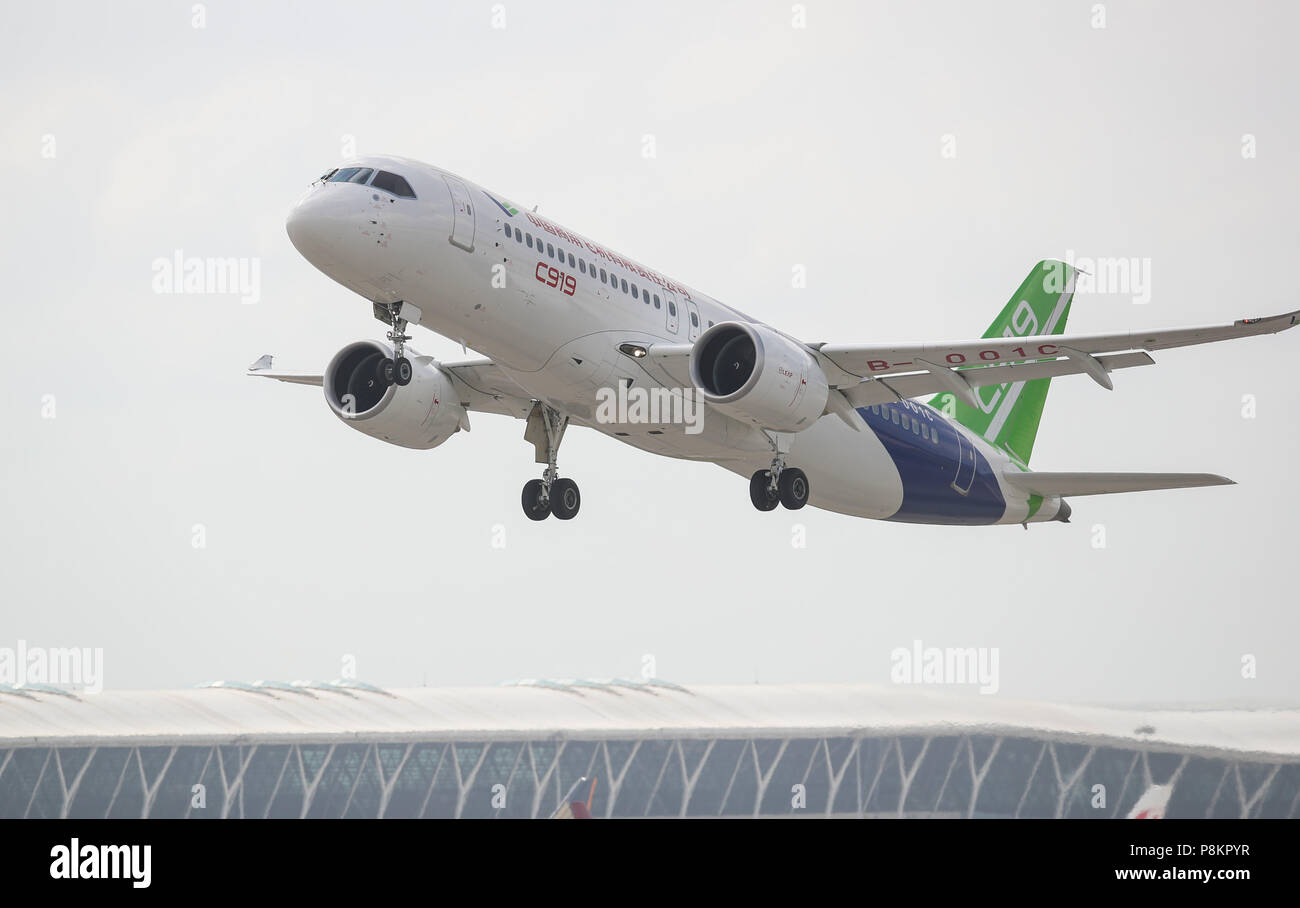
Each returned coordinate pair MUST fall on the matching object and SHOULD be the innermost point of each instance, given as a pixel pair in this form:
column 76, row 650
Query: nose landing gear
column 397, row 369
column 550, row 494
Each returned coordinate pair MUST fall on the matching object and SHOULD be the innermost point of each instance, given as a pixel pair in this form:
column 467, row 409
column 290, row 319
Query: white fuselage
column 555, row 329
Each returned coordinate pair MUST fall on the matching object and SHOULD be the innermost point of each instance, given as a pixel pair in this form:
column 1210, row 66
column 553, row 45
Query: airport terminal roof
column 277, row 712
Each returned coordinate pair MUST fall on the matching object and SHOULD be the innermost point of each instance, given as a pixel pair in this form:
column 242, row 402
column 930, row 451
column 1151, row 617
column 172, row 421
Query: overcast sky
column 915, row 158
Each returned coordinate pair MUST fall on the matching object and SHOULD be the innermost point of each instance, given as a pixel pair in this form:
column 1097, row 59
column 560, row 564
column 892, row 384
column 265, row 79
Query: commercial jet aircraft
column 577, row 334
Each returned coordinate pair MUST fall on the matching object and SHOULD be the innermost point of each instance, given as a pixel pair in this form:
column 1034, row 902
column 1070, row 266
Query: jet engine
column 754, row 374
column 422, row 414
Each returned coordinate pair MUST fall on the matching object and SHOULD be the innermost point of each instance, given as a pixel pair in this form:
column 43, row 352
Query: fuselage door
column 693, row 320
column 462, row 215
column 670, row 306
column 965, row 464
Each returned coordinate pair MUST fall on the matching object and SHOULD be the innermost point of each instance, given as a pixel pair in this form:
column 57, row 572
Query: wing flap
column 1069, row 485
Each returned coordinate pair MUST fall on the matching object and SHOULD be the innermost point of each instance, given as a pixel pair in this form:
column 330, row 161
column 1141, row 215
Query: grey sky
column 774, row 147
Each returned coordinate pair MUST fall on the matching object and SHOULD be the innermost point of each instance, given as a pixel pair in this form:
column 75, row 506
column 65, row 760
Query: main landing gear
column 779, row 485
column 397, row 369
column 550, row 494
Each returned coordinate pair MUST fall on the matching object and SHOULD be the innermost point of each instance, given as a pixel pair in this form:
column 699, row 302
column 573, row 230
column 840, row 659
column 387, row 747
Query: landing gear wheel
column 402, row 371
column 386, row 371
column 793, row 488
column 760, row 491
column 535, row 508
column 565, row 499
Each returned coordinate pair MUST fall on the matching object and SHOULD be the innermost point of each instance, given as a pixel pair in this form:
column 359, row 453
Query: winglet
column 263, row 362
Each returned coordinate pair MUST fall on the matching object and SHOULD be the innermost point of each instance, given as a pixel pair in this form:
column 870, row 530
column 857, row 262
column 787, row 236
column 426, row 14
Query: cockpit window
column 391, row 182
column 351, row 175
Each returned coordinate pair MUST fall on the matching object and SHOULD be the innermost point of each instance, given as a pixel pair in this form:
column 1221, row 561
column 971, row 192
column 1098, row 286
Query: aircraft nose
column 319, row 227
column 306, row 229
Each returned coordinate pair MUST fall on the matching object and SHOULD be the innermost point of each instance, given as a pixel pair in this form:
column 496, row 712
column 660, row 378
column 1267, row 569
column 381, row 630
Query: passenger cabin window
column 571, row 263
column 582, row 265
column 530, row 241
column 656, row 301
column 636, row 294
column 550, row 251
column 519, row 237
column 603, row 279
column 392, row 183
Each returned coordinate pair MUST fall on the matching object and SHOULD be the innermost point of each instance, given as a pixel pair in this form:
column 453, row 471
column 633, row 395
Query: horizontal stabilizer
column 1068, row 485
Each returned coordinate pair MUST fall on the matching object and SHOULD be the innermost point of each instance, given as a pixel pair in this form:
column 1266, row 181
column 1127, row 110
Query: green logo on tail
column 1009, row 414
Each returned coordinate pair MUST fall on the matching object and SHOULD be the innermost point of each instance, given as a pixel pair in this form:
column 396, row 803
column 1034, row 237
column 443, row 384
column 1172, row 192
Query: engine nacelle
column 422, row 414
column 754, row 374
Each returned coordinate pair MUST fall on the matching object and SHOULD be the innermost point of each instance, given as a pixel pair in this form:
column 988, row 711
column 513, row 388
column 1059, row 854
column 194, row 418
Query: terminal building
column 651, row 749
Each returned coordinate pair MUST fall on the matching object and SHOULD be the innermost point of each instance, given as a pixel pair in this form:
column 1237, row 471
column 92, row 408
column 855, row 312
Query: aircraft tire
column 565, row 499
column 793, row 488
column 532, row 501
column 759, row 493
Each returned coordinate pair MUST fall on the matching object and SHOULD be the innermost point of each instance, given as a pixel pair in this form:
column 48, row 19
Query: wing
column 262, row 369
column 485, row 388
column 845, row 364
column 877, row 374
column 481, row 384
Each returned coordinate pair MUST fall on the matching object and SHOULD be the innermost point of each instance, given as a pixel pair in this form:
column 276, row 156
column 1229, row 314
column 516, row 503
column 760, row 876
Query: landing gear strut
column 550, row 494
column 780, row 484
column 396, row 370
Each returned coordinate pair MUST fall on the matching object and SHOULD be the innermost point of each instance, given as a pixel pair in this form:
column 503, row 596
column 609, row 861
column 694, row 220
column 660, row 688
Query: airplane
column 575, row 333
column 1152, row 805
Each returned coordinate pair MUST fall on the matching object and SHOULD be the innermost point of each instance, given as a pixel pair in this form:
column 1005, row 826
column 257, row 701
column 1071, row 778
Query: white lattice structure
column 656, row 749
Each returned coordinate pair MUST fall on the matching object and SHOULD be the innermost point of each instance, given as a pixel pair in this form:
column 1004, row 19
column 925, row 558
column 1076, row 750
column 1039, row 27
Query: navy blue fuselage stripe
column 931, row 473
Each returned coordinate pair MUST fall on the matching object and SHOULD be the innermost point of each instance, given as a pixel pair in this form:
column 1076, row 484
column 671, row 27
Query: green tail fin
column 1010, row 413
